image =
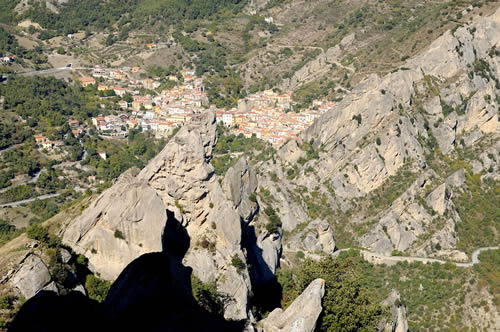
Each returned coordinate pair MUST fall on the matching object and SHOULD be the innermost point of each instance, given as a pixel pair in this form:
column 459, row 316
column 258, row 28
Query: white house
column 227, row 119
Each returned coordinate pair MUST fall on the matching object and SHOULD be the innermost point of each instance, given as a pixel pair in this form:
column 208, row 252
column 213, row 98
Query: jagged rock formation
column 317, row 236
column 399, row 323
column 32, row 276
column 384, row 129
column 125, row 221
column 387, row 126
column 180, row 179
column 325, row 236
column 302, row 314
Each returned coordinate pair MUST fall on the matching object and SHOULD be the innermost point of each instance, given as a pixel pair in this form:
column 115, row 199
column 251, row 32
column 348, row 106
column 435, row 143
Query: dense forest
column 81, row 15
column 48, row 101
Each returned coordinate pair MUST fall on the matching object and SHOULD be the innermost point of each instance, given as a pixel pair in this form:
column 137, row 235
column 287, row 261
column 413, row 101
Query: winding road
column 376, row 258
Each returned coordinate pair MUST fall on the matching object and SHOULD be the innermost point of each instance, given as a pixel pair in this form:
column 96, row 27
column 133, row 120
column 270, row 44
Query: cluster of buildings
column 269, row 116
column 160, row 113
column 48, row 144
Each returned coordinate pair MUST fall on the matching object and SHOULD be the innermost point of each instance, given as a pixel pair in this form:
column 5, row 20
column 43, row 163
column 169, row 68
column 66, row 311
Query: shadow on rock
column 153, row 293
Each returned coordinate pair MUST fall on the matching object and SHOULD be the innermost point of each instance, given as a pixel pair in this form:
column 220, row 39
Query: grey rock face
column 264, row 257
column 302, row 314
column 65, row 255
column 401, row 322
column 180, row 173
column 326, row 237
column 239, row 183
column 126, row 221
column 32, row 276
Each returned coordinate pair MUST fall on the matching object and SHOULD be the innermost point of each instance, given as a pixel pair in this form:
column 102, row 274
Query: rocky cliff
column 385, row 169
column 390, row 156
column 179, row 184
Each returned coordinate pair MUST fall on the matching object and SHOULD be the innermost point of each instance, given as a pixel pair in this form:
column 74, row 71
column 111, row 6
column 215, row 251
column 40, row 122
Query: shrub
column 207, row 296
column 342, row 278
column 38, row 233
column 300, row 255
column 7, row 302
column 358, row 118
column 97, row 289
column 238, row 263
column 379, row 141
column 274, row 220
column 119, row 235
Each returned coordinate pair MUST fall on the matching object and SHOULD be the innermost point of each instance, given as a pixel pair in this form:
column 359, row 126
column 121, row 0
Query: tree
column 238, row 263
column 346, row 305
column 97, row 289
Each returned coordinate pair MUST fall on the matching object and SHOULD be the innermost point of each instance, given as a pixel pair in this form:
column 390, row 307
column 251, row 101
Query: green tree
column 97, row 289
column 347, row 306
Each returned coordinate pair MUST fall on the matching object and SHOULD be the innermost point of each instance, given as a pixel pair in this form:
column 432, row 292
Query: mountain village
column 269, row 115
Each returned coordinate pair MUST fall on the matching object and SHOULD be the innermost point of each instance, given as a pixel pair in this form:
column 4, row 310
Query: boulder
column 32, row 276
column 301, row 315
column 401, row 324
column 439, row 198
column 326, row 237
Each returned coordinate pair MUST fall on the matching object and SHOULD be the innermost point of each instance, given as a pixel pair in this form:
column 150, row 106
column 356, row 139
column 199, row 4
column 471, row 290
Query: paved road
column 376, row 257
column 475, row 256
column 43, row 197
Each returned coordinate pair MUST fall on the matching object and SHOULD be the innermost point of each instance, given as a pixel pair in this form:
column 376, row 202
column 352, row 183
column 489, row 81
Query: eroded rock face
column 326, row 239
column 378, row 128
column 181, row 174
column 398, row 323
column 239, row 183
column 264, row 256
column 301, row 315
column 32, row 276
column 401, row 322
column 126, row 221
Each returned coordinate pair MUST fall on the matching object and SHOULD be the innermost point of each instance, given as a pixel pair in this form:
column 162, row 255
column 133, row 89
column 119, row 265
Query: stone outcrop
column 152, row 293
column 181, row 174
column 239, row 183
column 401, row 324
column 398, row 323
column 316, row 67
column 301, row 315
column 326, row 238
column 263, row 255
column 128, row 219
column 384, row 130
column 317, row 236
column 125, row 221
column 32, row 276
